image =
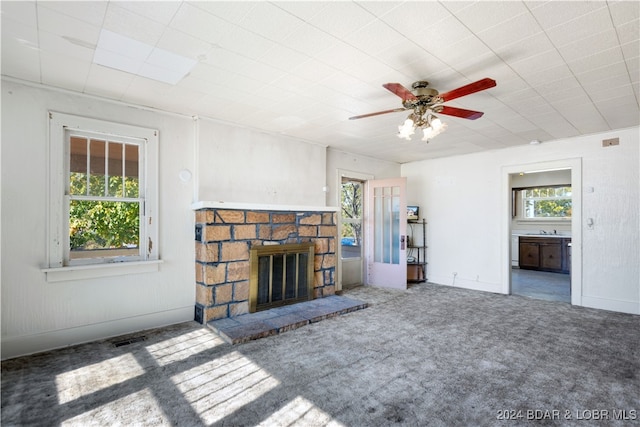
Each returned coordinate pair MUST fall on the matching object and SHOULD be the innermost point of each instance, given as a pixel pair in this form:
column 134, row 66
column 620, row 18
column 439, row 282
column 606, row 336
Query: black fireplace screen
column 280, row 275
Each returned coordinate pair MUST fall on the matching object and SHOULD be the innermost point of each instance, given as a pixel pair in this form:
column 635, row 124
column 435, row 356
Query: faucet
column 543, row 232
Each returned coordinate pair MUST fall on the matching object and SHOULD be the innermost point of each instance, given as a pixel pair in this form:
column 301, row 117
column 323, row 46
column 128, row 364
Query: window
column 547, row 202
column 105, row 203
column 351, row 205
column 103, row 192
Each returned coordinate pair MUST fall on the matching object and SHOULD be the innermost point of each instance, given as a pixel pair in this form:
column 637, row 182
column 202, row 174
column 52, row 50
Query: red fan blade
column 461, row 112
column 395, row 110
column 400, row 90
column 468, row 89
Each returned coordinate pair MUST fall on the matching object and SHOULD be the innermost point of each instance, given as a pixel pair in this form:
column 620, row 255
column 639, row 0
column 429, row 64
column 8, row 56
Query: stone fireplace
column 225, row 237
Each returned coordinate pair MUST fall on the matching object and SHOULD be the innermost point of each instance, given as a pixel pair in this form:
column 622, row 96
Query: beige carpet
column 432, row 355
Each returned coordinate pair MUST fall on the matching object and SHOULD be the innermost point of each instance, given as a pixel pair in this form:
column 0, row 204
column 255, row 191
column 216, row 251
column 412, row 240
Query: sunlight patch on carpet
column 122, row 411
column 220, row 387
column 183, row 346
column 98, row 376
column 300, row 412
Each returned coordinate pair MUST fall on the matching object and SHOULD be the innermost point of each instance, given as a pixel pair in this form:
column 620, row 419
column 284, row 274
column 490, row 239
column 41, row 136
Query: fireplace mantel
column 260, row 207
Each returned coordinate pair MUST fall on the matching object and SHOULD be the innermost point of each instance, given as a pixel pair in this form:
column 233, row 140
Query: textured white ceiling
column 563, row 68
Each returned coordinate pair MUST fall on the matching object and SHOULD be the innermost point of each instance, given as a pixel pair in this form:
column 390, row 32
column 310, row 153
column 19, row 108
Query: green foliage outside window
column 351, row 205
column 98, row 224
column 547, row 202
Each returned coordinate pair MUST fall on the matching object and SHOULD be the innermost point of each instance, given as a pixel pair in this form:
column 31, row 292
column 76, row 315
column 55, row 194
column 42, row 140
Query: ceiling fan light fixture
column 434, row 127
column 406, row 129
column 428, row 133
column 431, row 126
column 406, row 133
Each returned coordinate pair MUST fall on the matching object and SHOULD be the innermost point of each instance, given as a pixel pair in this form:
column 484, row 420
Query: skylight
column 129, row 55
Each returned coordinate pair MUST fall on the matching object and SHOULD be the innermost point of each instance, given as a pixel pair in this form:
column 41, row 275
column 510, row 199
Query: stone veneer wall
column 224, row 238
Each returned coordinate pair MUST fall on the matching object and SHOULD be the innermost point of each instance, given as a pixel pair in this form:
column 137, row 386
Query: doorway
column 541, row 234
column 544, row 214
column 371, row 225
column 351, row 231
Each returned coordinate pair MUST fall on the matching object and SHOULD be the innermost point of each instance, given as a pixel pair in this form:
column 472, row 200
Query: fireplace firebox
column 280, row 275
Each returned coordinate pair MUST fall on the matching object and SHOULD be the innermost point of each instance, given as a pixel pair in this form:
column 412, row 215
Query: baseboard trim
column 466, row 284
column 51, row 340
column 630, row 307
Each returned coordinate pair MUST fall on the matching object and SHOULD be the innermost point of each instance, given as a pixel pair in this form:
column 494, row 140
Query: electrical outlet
column 611, row 141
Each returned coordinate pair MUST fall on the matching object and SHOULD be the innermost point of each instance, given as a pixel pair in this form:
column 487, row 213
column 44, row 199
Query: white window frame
column 59, row 268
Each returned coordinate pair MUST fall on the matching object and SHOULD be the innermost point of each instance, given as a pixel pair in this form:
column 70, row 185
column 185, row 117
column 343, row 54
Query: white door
column 386, row 230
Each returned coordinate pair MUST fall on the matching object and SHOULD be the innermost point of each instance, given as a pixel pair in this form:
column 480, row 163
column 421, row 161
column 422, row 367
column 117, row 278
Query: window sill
column 546, row 221
column 95, row 271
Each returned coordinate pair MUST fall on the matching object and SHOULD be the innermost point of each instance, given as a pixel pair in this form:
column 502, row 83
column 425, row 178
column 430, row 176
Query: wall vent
column 611, row 141
column 198, row 314
column 128, row 341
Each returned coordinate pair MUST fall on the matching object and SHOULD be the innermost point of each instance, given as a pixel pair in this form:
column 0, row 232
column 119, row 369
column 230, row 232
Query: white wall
column 340, row 161
column 233, row 164
column 540, row 179
column 462, row 200
column 264, row 168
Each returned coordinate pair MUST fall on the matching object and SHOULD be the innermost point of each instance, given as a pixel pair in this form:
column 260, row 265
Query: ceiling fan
column 426, row 102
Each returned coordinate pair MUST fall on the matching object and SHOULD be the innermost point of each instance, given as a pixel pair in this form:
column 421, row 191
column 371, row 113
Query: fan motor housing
column 421, row 88
column 426, row 95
